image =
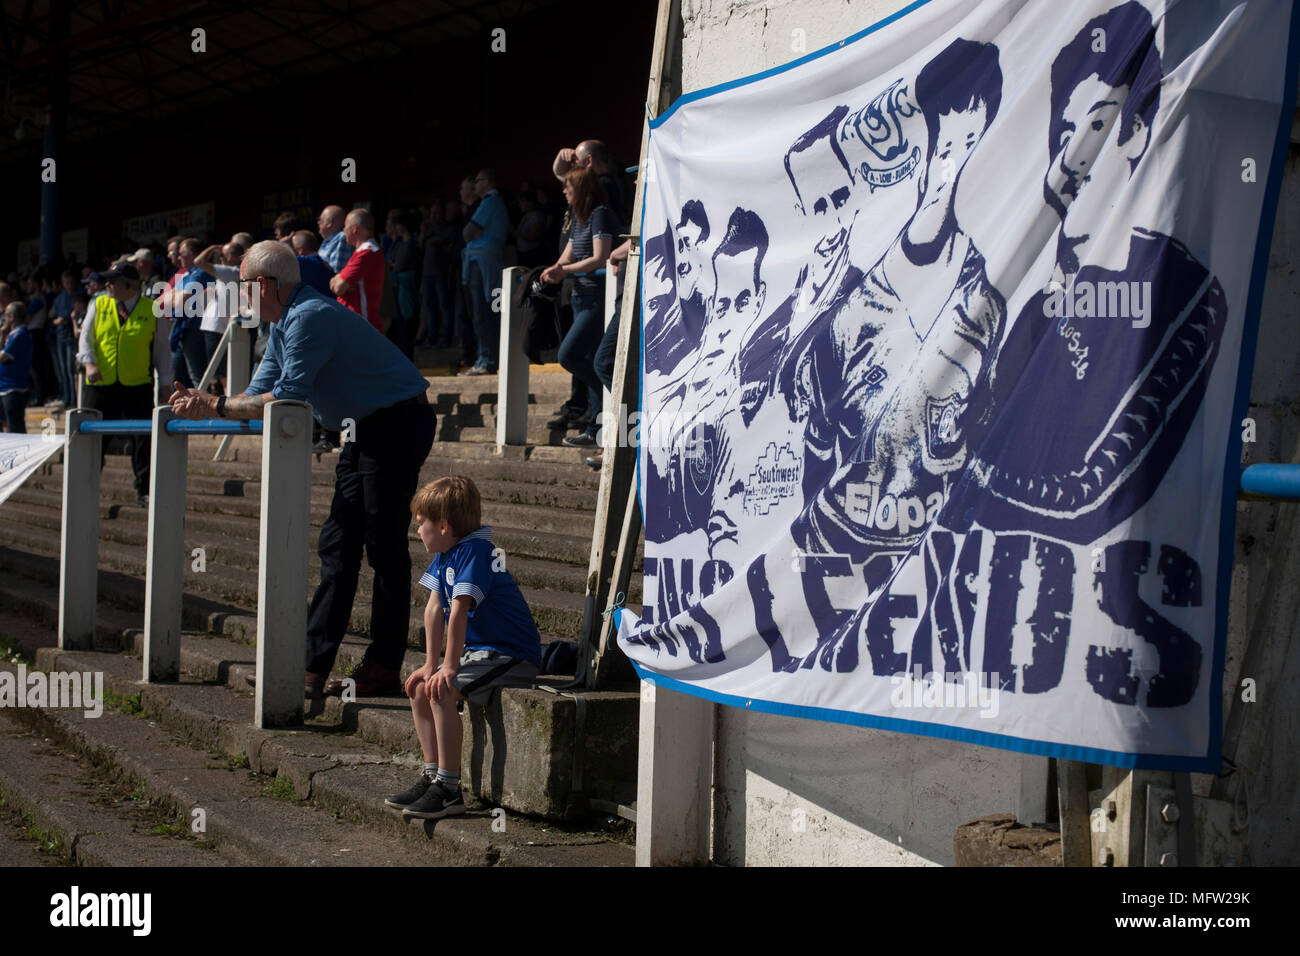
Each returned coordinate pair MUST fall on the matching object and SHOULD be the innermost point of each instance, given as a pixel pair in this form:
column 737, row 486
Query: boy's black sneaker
column 437, row 802
column 407, row 797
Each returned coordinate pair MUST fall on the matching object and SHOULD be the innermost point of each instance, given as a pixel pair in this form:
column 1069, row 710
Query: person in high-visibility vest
column 122, row 343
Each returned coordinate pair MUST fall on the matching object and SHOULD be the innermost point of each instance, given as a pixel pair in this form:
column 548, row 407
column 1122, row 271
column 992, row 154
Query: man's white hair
column 272, row 258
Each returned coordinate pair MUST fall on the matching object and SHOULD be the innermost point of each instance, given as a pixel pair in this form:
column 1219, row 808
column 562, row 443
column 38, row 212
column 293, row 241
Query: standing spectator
column 144, row 264
column 485, row 241
column 594, row 155
column 45, row 383
column 244, row 239
column 315, row 271
column 122, row 342
column 187, row 315
column 217, row 311
column 65, row 347
column 319, row 353
column 15, row 366
column 173, row 250
column 360, row 284
column 437, row 236
column 334, row 248
column 464, row 314
column 591, row 239
column 403, row 267
column 530, row 234
column 286, row 224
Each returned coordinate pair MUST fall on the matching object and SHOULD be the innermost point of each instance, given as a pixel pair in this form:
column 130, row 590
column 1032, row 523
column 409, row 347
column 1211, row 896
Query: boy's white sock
column 431, row 770
column 449, row 779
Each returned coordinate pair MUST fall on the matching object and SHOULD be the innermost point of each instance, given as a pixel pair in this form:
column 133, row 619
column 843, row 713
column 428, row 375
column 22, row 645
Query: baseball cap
column 123, row 271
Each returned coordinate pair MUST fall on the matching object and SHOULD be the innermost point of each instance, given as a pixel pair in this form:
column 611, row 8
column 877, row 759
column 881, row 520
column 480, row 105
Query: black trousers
column 125, row 401
column 374, row 482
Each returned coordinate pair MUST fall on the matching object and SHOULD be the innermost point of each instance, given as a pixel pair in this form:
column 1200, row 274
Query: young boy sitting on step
column 491, row 639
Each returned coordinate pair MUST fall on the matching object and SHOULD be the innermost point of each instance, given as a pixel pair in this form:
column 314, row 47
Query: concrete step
column 87, row 818
column 42, row 506
column 539, row 768
column 443, row 460
column 531, row 531
column 292, row 799
column 482, row 448
column 549, row 520
column 558, row 612
column 321, row 768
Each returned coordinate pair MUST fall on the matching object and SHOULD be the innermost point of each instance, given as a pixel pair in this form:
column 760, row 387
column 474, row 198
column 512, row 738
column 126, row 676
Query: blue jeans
column 435, row 304
column 487, row 324
column 196, row 354
column 608, row 349
column 65, row 367
column 578, row 350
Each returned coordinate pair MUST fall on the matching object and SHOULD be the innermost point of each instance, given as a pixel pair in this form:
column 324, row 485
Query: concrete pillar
column 165, row 565
column 674, row 779
column 512, row 380
column 79, row 547
column 282, row 564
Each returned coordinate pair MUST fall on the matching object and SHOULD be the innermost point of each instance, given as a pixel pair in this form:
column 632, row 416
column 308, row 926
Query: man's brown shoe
column 371, row 679
column 313, row 686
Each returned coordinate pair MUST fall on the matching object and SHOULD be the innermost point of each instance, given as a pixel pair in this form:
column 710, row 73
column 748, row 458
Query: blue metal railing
column 1276, row 481
column 143, row 426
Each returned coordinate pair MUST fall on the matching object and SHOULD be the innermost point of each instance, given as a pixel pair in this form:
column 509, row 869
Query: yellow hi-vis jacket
column 124, row 348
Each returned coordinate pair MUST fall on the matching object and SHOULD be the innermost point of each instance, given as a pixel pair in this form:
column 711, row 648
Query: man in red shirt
column 360, row 284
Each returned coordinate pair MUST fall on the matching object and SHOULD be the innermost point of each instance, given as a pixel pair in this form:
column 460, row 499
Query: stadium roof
column 132, row 61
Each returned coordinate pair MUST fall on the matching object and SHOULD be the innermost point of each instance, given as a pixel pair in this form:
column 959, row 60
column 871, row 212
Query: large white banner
column 941, row 398
column 20, row 455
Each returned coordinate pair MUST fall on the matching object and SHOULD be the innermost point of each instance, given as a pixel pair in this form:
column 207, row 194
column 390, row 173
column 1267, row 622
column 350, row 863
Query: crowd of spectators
column 430, row 279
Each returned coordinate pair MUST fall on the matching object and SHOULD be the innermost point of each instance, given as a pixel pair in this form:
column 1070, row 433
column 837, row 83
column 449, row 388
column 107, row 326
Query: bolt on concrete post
column 282, row 564
column 512, row 382
column 79, row 545
column 165, row 567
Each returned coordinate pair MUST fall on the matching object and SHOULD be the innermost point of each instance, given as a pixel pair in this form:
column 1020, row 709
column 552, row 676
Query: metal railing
column 282, row 550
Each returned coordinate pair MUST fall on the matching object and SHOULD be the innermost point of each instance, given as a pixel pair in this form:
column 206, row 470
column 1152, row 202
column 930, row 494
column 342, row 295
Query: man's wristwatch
column 221, row 406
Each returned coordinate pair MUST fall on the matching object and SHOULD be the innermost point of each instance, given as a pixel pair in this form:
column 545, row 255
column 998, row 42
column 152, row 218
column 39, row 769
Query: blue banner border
column 1212, row 762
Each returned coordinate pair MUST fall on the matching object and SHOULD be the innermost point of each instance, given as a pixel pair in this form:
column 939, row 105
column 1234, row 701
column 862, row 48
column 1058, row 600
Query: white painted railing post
column 282, row 564
column 165, row 567
column 79, row 545
column 674, row 778
column 512, row 380
column 237, row 356
column 237, row 353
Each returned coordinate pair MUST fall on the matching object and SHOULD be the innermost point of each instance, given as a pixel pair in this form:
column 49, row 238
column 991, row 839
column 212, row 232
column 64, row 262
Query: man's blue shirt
column 191, row 283
column 335, row 251
column 17, row 374
column 492, row 218
column 489, row 248
column 62, row 309
column 324, row 353
column 500, row 621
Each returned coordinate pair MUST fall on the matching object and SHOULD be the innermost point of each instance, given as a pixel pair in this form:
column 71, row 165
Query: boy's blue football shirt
column 500, row 621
